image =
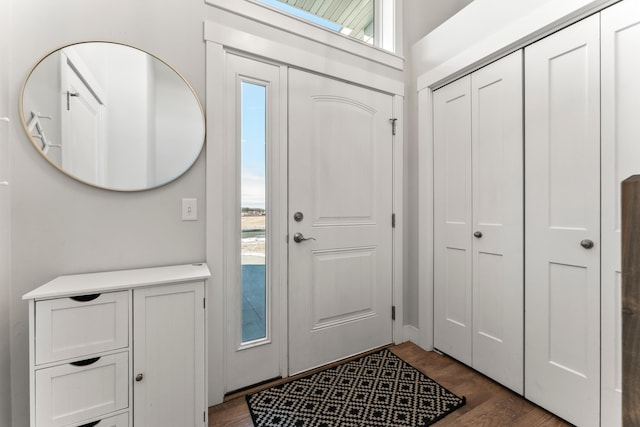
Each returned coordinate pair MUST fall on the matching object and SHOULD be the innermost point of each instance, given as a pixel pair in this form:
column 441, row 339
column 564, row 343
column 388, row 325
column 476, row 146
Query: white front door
column 340, row 200
column 562, row 223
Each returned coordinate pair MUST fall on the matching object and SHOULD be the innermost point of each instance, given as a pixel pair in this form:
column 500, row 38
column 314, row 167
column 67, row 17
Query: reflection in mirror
column 112, row 116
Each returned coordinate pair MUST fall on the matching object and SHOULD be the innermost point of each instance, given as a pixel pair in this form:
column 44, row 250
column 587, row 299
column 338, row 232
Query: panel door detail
column 82, row 121
column 340, row 166
column 453, row 219
column 497, row 250
column 562, row 223
column 478, row 210
column 168, row 357
column 620, row 38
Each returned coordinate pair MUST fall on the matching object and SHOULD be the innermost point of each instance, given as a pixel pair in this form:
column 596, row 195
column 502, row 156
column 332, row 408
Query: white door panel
column 82, row 129
column 340, row 165
column 562, row 181
column 496, row 93
column 620, row 38
column 452, row 219
column 168, row 332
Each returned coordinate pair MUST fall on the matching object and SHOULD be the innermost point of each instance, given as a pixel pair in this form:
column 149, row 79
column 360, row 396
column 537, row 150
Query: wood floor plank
column 488, row 403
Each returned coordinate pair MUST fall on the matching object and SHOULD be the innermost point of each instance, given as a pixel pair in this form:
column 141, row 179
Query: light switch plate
column 189, row 209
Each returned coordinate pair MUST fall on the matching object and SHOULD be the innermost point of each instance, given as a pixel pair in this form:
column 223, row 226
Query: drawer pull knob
column 95, row 423
column 85, row 362
column 139, row 377
column 85, row 298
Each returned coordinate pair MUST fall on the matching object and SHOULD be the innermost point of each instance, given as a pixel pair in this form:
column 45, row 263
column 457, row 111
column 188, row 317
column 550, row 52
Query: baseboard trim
column 411, row 333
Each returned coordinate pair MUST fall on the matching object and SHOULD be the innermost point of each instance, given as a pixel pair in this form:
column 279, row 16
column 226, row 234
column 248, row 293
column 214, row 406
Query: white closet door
column 562, row 179
column 620, row 35
column 497, row 221
column 452, row 219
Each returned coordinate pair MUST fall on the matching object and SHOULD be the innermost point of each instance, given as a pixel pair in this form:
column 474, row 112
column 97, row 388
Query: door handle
column 587, row 243
column 298, row 237
column 477, row 234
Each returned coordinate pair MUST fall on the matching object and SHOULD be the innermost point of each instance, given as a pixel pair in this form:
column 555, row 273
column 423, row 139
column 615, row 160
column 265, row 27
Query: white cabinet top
column 91, row 283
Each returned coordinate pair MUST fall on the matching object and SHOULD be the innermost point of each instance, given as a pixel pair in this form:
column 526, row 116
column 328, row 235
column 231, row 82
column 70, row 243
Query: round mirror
column 112, row 116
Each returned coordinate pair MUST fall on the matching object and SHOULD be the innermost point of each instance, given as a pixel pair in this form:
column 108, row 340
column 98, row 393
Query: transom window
column 354, row 18
column 370, row 21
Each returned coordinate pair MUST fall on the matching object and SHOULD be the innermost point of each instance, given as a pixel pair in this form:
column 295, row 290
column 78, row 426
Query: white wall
column 5, row 226
column 490, row 27
column 42, row 97
column 128, row 113
column 420, row 18
column 61, row 226
column 479, row 20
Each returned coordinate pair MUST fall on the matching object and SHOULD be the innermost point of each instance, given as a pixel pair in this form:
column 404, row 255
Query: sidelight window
column 253, row 211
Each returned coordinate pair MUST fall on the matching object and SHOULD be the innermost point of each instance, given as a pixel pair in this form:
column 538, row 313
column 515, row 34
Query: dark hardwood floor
column 488, row 403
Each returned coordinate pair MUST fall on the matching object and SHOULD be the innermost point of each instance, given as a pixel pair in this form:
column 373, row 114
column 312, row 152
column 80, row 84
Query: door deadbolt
column 298, row 216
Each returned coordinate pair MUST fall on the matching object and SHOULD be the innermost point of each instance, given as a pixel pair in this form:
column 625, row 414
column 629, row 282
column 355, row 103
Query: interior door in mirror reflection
column 119, row 118
column 82, row 124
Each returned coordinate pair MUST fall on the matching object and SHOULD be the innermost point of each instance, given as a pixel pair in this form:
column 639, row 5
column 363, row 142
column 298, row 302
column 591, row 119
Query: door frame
column 253, row 39
column 272, row 350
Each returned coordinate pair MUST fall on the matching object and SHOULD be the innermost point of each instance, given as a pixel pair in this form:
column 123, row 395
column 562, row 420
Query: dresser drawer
column 74, row 327
column 121, row 420
column 67, row 394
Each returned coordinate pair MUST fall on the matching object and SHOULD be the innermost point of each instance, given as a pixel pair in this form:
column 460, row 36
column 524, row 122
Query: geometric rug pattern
column 378, row 389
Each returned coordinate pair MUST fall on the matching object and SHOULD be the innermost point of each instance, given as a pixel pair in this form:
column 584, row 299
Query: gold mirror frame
column 46, row 134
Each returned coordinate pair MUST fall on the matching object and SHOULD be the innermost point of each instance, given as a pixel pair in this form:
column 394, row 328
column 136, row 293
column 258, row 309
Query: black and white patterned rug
column 379, row 389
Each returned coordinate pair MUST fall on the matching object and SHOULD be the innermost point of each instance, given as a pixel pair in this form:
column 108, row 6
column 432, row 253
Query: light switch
column 189, row 209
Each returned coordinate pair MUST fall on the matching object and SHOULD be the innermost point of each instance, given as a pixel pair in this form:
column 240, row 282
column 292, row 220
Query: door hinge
column 204, row 417
column 204, row 303
column 393, row 312
column 393, row 126
column 393, row 220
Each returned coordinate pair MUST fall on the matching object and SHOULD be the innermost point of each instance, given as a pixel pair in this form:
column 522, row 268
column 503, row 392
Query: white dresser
column 119, row 348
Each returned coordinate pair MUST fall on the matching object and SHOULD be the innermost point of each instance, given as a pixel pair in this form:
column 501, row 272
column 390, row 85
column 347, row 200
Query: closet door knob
column 587, row 243
column 477, row 234
column 139, row 377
